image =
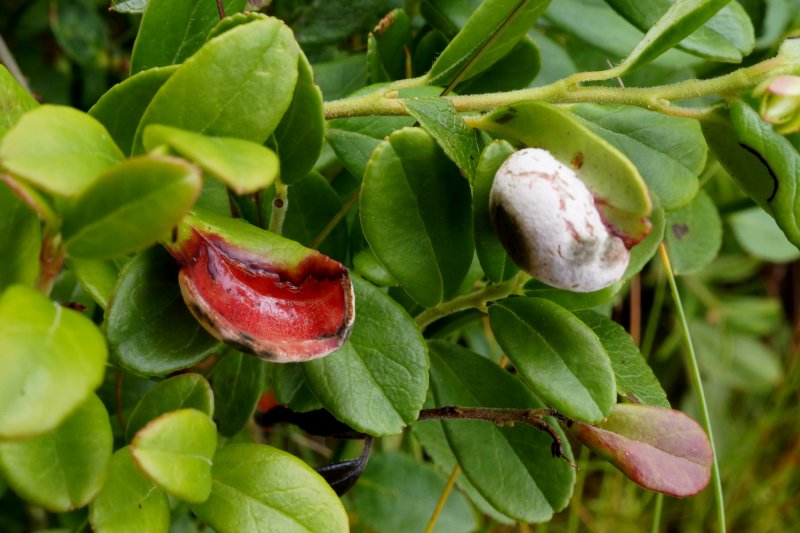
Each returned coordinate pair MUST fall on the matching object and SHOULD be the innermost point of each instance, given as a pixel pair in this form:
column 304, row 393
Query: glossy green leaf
column 570, row 300
column 728, row 36
column 299, row 136
column 135, row 7
column 238, row 382
column 693, row 235
column 516, row 70
column 494, row 28
column 58, row 149
column 130, row 207
column 121, row 107
column 438, row 117
column 387, row 47
column 173, row 30
column 409, row 179
column 644, row 251
column 491, row 254
column 557, row 355
column 183, row 391
column 376, row 382
column 635, row 379
column 62, row 470
column 98, row 278
column 612, row 178
column 353, row 149
column 661, row 449
column 291, row 388
column 147, row 325
column 259, row 488
column 20, row 240
column 366, row 265
column 243, row 60
column 761, row 237
column 14, row 101
column 244, row 166
column 175, row 452
column 53, row 358
column 393, row 481
column 677, row 23
column 669, row 152
column 520, row 477
column 339, row 77
column 129, row 503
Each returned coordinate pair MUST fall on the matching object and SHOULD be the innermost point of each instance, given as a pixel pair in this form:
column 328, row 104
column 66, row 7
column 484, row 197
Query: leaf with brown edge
column 661, row 449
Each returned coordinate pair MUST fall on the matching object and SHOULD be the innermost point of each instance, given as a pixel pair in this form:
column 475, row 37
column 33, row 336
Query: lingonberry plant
column 274, row 236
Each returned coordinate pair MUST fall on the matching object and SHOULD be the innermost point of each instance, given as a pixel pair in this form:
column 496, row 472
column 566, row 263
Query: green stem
column 279, row 206
column 472, row 300
column 448, row 488
column 698, row 385
column 657, row 513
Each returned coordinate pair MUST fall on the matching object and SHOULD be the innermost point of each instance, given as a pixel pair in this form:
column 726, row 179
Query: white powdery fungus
column 548, row 223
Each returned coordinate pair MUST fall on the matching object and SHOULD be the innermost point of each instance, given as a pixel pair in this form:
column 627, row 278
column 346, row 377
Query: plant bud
column 780, row 103
column 261, row 292
column 548, row 223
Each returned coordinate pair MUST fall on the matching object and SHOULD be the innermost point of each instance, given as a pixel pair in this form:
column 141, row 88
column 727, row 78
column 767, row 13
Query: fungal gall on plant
column 549, row 224
column 261, row 292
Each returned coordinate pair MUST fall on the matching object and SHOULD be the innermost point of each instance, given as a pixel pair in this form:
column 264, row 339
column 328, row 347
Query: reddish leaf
column 660, row 449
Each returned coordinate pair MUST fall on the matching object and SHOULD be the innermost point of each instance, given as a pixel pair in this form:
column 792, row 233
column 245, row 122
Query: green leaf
column 557, row 355
column 353, row 149
column 130, row 207
column 409, row 178
column 339, row 77
column 175, row 452
column 520, row 477
column 58, row 149
column 128, row 503
column 439, row 117
column 387, row 45
column 728, row 36
column 613, row 179
column 243, row 59
column 642, row 253
column 259, row 488
column 178, row 392
column 15, row 101
column 53, row 358
column 243, row 166
column 635, row 379
column 299, row 136
column 761, row 237
column 147, row 324
column 491, row 254
column 393, row 481
column 693, row 235
column 572, row 300
column 291, row 388
column 134, row 7
column 669, row 152
column 80, row 31
column 173, row 30
column 121, row 107
column 20, row 240
column 376, row 382
column 516, row 70
column 238, row 382
column 661, row 449
column 98, row 278
column 62, row 470
column 489, row 34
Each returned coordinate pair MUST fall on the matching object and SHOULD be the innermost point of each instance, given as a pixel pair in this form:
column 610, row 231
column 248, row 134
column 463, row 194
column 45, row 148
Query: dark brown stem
column 220, row 9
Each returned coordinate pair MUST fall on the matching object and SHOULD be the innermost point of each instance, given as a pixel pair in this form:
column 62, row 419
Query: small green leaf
column 259, row 488
column 693, row 235
column 409, row 178
column 178, row 392
column 147, row 324
column 520, row 477
column 572, row 300
column 98, row 278
column 559, row 356
column 175, row 452
column 376, row 382
column 15, row 101
column 243, row 60
column 130, row 207
column 20, row 240
column 79, row 30
column 58, row 149
column 53, row 358
column 128, row 503
column 62, row 470
column 516, row 70
column 635, row 379
column 353, row 149
column 121, row 107
column 172, row 30
column 238, row 382
column 438, row 117
column 134, row 7
column 387, row 47
column 291, row 388
column 660, row 449
column 244, row 166
column 761, row 237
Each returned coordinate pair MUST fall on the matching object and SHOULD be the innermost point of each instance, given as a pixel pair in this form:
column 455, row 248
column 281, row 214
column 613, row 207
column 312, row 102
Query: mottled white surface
column 547, row 220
